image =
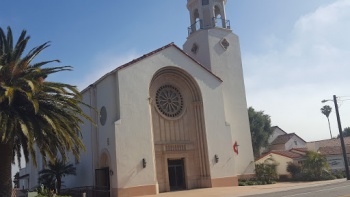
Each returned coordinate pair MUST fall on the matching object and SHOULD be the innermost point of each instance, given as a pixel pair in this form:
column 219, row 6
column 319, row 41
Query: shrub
column 315, row 165
column 339, row 174
column 293, row 169
column 283, row 178
column 266, row 172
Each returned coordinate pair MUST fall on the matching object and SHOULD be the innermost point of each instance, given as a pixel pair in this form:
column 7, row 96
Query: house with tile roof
column 283, row 148
column 331, row 148
column 282, row 158
column 287, row 142
column 281, row 140
column 277, row 131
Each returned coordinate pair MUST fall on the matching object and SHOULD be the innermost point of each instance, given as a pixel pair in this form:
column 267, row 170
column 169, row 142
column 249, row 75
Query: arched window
column 196, row 14
column 197, row 22
column 217, row 17
column 217, row 11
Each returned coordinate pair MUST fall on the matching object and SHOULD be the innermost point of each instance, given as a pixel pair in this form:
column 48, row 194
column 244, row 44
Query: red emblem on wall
column 235, row 148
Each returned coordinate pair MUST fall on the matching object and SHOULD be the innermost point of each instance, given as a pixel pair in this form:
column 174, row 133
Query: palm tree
column 326, row 110
column 34, row 112
column 16, row 180
column 54, row 173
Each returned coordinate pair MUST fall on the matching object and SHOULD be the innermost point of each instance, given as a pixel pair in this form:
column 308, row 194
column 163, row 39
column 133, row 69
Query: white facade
column 170, row 119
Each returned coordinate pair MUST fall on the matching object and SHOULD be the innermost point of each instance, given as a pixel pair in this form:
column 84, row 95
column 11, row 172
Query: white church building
column 173, row 119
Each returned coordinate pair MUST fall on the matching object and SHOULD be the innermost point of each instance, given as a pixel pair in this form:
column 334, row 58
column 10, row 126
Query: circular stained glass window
column 169, row 101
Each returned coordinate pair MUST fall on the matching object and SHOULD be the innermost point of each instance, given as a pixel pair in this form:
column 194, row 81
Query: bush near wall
column 265, row 173
column 314, row 168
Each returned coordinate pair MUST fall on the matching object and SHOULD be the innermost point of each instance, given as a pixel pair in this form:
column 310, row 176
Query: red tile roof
column 285, row 153
column 332, row 150
column 275, row 127
column 282, row 139
column 332, row 142
column 300, row 150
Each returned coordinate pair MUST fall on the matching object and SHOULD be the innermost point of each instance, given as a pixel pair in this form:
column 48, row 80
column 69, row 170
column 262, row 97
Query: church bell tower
column 212, row 43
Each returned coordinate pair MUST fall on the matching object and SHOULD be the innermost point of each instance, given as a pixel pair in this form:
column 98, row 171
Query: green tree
column 294, row 169
column 314, row 166
column 34, row 112
column 260, row 128
column 54, row 173
column 346, row 132
column 326, row 110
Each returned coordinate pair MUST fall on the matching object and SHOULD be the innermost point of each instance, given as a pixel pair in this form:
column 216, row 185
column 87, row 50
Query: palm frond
column 35, row 112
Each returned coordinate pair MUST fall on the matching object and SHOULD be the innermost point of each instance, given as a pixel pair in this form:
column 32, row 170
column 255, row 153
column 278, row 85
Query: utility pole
column 341, row 138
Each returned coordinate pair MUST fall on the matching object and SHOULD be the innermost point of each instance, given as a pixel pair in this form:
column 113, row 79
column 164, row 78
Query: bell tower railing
column 195, row 26
column 217, row 22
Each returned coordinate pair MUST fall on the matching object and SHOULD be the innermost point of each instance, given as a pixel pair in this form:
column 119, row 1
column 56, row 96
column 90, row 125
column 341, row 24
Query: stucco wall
column 228, row 66
column 135, row 141
column 295, row 142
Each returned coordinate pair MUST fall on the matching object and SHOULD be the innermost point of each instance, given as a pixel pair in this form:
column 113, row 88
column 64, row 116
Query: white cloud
column 295, row 73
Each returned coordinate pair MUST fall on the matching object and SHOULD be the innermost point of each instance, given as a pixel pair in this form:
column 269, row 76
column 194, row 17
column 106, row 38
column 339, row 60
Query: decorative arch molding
column 182, row 137
column 180, row 73
column 104, row 159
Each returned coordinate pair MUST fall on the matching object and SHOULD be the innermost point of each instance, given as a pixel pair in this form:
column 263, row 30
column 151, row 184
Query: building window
column 103, row 115
column 296, row 143
column 224, row 43
column 205, row 2
column 194, row 48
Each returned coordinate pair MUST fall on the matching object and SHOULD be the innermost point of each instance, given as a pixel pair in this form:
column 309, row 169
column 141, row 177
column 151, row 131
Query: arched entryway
column 178, row 131
column 102, row 175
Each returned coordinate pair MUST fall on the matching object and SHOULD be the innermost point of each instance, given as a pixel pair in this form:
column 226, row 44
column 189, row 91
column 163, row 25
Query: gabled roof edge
column 145, row 56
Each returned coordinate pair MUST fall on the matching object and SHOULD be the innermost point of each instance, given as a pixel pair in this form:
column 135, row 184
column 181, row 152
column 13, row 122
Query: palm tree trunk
column 59, row 183
column 329, row 125
column 5, row 170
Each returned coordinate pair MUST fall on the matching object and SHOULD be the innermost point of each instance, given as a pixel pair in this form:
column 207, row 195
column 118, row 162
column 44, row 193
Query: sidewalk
column 244, row 190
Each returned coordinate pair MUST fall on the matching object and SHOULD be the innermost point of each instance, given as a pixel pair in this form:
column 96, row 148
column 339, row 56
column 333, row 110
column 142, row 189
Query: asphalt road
column 341, row 189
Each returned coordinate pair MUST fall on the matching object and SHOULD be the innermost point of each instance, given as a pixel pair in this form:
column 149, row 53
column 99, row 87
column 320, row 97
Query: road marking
column 318, row 191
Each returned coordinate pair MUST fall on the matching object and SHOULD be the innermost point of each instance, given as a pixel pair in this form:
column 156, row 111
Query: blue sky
column 295, row 53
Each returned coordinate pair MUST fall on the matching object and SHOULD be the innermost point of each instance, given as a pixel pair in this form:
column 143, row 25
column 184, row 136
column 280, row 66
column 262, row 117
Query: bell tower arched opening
column 206, row 14
column 178, row 131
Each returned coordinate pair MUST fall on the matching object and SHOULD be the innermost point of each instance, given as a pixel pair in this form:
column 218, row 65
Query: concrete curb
column 245, row 190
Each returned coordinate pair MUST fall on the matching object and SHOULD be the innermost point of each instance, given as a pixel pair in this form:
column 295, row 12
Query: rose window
column 169, row 101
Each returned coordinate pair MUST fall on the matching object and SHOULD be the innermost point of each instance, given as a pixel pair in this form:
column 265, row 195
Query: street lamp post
column 341, row 136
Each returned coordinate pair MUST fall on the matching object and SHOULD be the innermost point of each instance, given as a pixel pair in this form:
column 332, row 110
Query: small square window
column 205, row 2
column 224, row 43
column 194, row 48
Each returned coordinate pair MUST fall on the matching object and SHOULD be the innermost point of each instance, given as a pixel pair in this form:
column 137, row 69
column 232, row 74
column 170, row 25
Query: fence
column 86, row 192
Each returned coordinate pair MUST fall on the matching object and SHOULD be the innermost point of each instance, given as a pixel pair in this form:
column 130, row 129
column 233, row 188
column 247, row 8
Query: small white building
column 171, row 119
column 282, row 158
